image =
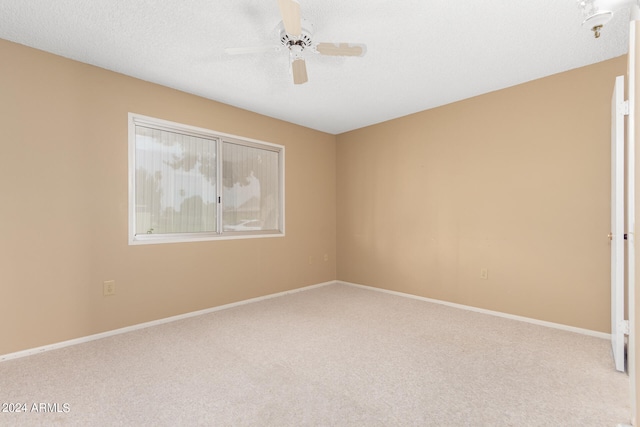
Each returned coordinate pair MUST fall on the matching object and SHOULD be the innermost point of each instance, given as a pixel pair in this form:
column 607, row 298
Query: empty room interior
column 492, row 204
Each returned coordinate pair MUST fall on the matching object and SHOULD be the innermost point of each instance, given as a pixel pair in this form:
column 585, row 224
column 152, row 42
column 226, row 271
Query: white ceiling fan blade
column 291, row 18
column 252, row 49
column 341, row 49
column 299, row 71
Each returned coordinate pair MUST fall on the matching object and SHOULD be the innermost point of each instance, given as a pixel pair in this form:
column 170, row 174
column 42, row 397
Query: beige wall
column 63, row 211
column 515, row 181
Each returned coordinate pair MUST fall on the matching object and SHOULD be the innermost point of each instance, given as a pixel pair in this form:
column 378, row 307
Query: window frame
column 135, row 119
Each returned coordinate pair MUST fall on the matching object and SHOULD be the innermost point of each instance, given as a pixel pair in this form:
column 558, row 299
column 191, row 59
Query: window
column 191, row 184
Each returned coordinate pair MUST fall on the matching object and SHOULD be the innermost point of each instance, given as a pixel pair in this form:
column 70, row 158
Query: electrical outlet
column 109, row 288
column 326, row 257
column 484, row 273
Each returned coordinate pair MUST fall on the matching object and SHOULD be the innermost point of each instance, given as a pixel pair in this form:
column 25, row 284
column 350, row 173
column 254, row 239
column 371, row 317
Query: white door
column 631, row 216
column 617, row 223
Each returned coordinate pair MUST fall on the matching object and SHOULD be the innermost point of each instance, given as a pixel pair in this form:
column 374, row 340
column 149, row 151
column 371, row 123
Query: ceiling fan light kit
column 296, row 35
column 599, row 12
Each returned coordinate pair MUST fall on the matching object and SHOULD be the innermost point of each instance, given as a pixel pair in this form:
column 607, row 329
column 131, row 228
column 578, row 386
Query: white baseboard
column 589, row 332
column 89, row 338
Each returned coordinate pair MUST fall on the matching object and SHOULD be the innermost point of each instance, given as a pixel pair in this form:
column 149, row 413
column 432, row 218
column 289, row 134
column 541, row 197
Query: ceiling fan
column 296, row 36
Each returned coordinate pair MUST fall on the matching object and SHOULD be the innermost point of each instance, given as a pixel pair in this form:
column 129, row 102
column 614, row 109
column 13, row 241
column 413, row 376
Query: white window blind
column 175, row 182
column 251, row 188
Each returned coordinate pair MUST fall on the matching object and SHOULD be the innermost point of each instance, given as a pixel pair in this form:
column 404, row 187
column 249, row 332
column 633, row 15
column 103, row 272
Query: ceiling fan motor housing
column 303, row 41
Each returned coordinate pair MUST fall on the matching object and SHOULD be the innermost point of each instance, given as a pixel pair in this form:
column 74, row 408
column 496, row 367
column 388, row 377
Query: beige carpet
column 331, row 356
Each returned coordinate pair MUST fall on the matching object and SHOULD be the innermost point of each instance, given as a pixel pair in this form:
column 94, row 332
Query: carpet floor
column 335, row 355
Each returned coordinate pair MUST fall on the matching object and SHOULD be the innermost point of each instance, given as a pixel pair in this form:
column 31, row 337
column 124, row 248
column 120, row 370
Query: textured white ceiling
column 421, row 53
